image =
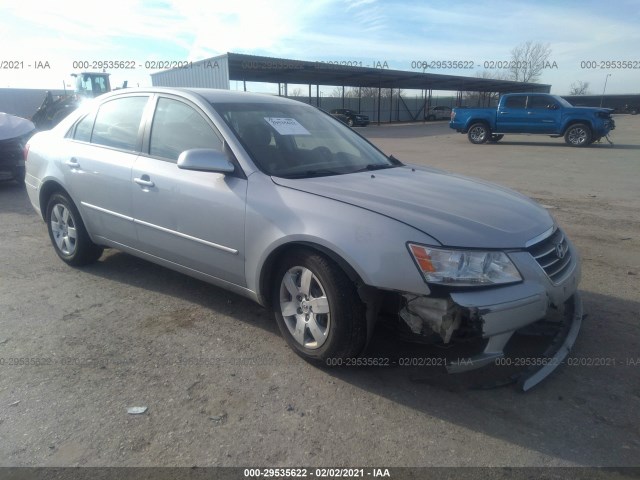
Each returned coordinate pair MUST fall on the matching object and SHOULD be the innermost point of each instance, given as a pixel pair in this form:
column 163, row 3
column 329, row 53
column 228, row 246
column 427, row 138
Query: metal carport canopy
column 253, row 68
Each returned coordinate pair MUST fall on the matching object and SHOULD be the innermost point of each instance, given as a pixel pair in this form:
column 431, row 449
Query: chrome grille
column 553, row 255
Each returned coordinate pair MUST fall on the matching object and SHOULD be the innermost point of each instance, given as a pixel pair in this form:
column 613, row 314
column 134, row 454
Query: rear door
column 194, row 219
column 96, row 167
column 512, row 115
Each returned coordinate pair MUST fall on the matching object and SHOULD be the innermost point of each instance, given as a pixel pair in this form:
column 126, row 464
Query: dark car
column 350, row 117
column 14, row 133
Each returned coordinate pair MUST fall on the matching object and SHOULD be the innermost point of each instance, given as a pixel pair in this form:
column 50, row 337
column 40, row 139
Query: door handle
column 504, row 113
column 73, row 163
column 144, row 181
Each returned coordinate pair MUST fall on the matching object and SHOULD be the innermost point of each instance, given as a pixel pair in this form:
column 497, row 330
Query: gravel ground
column 222, row 387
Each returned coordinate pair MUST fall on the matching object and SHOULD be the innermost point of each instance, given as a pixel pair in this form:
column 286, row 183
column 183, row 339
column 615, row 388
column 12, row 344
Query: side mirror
column 205, row 160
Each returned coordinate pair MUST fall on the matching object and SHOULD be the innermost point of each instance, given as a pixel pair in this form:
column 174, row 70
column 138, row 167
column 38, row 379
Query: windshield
column 91, row 85
column 563, row 102
column 298, row 141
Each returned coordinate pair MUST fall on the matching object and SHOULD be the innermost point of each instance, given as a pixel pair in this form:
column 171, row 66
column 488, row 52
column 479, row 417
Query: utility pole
column 605, row 87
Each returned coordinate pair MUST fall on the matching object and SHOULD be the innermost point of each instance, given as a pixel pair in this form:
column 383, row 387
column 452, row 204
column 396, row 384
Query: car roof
column 211, row 95
column 532, row 94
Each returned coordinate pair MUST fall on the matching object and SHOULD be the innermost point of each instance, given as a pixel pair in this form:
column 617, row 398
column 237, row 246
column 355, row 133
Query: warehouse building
column 387, row 105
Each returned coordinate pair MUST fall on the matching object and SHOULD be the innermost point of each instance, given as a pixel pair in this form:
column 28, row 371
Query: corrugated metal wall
column 209, row 73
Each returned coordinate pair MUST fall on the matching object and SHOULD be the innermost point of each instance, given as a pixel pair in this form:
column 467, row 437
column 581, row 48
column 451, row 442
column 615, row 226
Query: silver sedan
column 279, row 202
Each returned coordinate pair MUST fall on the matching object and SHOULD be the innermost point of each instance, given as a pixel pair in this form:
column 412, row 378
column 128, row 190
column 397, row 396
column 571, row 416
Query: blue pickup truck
column 534, row 113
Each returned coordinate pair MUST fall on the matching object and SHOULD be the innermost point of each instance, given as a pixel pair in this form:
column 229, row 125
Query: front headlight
column 463, row 268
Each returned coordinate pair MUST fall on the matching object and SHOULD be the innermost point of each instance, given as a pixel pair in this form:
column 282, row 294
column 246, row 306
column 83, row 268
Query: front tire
column 350, row 122
column 68, row 234
column 578, row 135
column 317, row 308
column 479, row 133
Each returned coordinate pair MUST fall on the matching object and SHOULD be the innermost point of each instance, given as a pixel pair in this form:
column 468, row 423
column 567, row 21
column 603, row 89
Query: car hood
column 13, row 127
column 457, row 211
column 588, row 110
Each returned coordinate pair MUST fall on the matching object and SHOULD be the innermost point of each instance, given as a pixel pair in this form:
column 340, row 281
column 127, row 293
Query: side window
column 117, row 123
column 518, row 101
column 83, row 128
column 540, row 102
column 99, row 85
column 178, row 127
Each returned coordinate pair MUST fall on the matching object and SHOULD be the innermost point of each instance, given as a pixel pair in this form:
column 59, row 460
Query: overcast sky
column 367, row 31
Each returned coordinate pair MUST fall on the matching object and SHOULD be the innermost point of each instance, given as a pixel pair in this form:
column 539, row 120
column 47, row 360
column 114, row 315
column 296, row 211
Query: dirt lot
column 222, row 388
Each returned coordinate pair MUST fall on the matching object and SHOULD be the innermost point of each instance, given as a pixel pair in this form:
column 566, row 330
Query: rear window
column 519, row 101
column 83, row 128
column 118, row 122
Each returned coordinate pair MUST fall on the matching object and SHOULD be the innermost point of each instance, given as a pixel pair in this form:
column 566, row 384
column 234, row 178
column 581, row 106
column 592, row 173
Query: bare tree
column 579, row 88
column 528, row 60
column 296, row 92
column 336, row 92
column 349, row 92
column 372, row 92
column 479, row 99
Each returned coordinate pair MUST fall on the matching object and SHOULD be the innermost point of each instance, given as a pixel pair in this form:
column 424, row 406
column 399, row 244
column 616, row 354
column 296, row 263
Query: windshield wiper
column 312, row 173
column 395, row 161
column 374, row 166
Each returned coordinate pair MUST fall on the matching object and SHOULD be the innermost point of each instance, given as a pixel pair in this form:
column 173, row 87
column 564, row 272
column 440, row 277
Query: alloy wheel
column 63, row 226
column 305, row 307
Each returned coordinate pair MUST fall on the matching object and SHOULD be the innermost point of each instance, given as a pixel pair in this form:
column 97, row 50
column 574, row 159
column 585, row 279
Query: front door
column 194, row 219
column 543, row 113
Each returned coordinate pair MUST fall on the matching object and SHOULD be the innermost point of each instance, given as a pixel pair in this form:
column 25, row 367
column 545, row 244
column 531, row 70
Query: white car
column 438, row 113
column 278, row 201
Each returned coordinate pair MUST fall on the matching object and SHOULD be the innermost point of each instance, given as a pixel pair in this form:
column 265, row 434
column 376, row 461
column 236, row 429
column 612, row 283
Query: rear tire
column 317, row 308
column 68, row 234
column 578, row 135
column 479, row 133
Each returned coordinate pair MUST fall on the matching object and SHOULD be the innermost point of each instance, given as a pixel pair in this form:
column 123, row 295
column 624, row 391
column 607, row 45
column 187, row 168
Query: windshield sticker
column 287, row 126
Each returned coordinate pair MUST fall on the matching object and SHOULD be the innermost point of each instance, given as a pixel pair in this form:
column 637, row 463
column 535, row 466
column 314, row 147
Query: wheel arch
column 271, row 262
column 479, row 120
column 48, row 188
column 475, row 120
column 575, row 121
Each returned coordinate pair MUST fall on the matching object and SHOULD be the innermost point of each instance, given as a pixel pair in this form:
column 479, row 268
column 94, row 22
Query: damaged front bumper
column 495, row 314
column 565, row 336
